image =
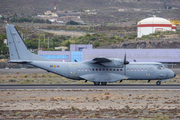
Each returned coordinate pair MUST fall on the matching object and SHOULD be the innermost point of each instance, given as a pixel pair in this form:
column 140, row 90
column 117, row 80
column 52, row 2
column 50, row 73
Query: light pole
column 72, row 34
column 39, row 42
column 93, row 25
column 48, row 42
column 28, row 36
column 44, row 37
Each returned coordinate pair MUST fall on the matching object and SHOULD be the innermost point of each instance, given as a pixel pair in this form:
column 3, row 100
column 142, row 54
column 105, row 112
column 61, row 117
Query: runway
column 91, row 86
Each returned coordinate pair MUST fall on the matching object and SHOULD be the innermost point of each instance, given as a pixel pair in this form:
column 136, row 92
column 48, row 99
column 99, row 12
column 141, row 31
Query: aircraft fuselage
column 135, row 71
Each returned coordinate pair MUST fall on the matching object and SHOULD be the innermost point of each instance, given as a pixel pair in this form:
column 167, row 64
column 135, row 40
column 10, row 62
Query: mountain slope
column 39, row 6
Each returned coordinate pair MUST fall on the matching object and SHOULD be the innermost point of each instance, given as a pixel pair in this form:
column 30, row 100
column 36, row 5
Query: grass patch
column 25, row 76
column 12, row 80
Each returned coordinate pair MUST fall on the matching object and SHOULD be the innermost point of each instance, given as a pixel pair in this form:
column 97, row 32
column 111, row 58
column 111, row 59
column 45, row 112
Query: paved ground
column 91, row 86
column 89, row 104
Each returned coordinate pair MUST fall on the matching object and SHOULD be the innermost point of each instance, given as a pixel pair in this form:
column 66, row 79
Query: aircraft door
column 151, row 72
column 73, row 70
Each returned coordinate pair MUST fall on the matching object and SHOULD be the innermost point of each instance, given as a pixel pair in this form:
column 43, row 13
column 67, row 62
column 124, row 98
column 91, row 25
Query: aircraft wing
column 100, row 60
column 100, row 77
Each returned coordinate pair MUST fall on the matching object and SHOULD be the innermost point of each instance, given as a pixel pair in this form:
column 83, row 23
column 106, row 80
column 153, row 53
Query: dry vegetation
column 50, row 78
column 70, row 104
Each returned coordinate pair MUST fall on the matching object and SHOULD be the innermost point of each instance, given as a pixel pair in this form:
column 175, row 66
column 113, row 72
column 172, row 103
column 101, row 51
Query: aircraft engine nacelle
column 114, row 63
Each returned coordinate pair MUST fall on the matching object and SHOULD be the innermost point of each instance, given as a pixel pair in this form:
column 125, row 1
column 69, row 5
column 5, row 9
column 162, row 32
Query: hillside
column 39, row 6
column 146, row 44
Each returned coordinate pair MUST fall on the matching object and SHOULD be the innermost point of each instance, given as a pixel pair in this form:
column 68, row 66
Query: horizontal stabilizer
column 100, row 77
column 19, row 61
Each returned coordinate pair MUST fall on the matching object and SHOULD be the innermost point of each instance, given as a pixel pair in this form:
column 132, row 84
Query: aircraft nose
column 171, row 74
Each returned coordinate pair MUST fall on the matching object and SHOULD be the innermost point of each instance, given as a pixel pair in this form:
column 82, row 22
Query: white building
column 152, row 25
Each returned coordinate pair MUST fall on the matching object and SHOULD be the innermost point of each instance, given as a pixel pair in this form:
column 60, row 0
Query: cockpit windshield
column 161, row 67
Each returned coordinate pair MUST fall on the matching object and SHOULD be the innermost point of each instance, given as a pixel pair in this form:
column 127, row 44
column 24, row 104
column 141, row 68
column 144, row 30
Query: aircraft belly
column 99, row 77
column 54, row 67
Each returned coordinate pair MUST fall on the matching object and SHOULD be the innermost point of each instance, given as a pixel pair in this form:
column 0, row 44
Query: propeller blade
column 125, row 62
column 125, row 58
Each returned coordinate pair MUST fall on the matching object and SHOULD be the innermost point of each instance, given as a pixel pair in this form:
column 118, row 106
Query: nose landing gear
column 158, row 83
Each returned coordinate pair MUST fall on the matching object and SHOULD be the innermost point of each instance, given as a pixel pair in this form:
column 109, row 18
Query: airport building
column 170, row 57
column 152, row 25
column 75, row 53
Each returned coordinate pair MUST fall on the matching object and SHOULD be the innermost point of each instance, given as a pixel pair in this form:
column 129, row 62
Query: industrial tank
column 152, row 25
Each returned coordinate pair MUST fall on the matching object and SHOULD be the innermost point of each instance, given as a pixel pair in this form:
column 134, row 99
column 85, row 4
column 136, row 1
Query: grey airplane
column 99, row 70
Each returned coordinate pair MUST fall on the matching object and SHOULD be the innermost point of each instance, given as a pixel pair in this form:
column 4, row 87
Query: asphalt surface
column 91, row 86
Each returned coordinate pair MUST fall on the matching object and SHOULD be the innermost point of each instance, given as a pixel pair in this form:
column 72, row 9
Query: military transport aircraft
column 100, row 70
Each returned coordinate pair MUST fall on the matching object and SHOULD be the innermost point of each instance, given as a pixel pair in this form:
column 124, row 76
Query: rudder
column 17, row 47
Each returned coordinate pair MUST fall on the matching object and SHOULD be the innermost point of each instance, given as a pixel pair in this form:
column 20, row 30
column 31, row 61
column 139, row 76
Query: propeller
column 125, row 62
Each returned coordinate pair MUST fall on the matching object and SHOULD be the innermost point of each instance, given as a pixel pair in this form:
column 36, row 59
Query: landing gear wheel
column 158, row 83
column 103, row 83
column 96, row 83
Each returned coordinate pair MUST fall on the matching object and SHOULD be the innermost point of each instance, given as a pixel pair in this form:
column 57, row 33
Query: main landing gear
column 98, row 83
column 158, row 83
column 103, row 83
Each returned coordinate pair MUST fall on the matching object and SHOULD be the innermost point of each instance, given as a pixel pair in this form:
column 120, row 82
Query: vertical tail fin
column 17, row 48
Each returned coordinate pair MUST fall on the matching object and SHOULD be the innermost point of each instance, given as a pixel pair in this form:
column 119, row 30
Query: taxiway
column 91, row 86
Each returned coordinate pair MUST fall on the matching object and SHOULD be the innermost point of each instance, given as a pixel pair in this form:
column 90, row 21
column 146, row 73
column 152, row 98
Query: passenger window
column 85, row 69
column 131, row 69
column 142, row 69
column 93, row 69
column 100, row 69
column 135, row 69
column 120, row 69
column 138, row 69
column 96, row 69
column 103, row 69
column 110, row 69
column 106, row 69
column 127, row 69
column 117, row 69
column 113, row 69
column 89, row 69
column 79, row 70
column 145, row 69
column 82, row 69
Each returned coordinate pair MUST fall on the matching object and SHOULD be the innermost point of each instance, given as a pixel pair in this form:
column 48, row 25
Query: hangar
column 80, row 52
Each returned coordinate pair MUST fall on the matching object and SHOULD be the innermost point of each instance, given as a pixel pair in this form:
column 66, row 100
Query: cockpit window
column 161, row 67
